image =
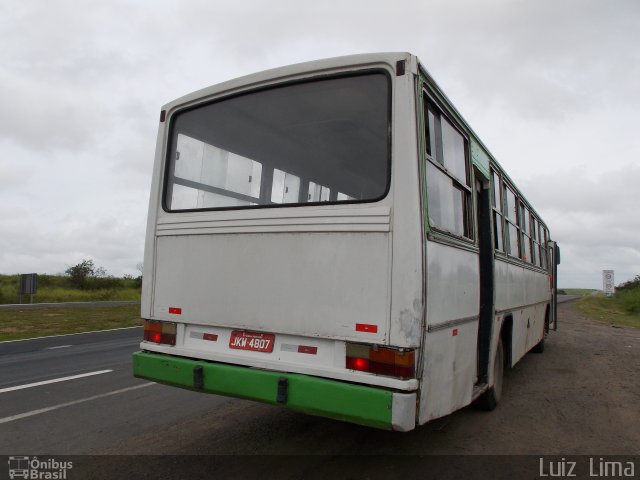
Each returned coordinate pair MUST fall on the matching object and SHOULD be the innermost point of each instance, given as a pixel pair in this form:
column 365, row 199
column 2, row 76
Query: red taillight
column 381, row 360
column 160, row 332
column 358, row 364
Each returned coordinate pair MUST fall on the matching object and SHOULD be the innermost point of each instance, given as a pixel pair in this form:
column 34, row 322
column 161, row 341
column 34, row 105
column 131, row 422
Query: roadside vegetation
column 84, row 282
column 623, row 308
column 33, row 322
column 575, row 291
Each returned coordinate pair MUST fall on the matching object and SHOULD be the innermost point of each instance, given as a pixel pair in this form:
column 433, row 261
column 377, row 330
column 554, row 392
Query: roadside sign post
column 27, row 286
column 608, row 282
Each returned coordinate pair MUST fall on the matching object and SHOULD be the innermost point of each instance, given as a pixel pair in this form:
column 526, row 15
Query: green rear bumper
column 317, row 396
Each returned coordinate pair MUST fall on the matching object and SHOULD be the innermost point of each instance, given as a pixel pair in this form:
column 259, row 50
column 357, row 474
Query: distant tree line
column 81, row 282
column 629, row 285
column 87, row 276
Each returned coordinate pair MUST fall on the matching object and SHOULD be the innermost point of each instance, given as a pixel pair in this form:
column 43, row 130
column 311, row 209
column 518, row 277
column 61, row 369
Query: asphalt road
column 567, row 298
column 580, row 396
column 77, row 414
column 114, row 303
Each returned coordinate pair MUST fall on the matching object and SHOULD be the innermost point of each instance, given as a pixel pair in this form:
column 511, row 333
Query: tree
column 629, row 285
column 140, row 268
column 86, row 276
column 81, row 273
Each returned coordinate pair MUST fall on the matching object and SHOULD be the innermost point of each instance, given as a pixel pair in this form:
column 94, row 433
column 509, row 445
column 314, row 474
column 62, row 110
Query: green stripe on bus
column 480, row 159
column 314, row 395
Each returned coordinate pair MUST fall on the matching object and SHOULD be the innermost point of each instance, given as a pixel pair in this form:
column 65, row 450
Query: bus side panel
column 524, row 295
column 407, row 306
column 450, row 346
column 450, row 365
column 152, row 218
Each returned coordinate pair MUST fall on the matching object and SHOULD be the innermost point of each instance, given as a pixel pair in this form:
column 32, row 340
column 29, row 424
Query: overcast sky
column 551, row 87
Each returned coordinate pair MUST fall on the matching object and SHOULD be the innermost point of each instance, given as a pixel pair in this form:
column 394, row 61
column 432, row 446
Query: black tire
column 489, row 400
column 539, row 347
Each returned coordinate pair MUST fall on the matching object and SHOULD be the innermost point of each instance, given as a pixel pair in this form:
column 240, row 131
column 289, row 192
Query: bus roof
column 291, row 72
column 341, row 63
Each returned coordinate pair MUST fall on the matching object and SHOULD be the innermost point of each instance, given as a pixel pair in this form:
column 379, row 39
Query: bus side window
column 447, row 175
column 511, row 222
column 496, row 203
column 525, row 222
column 535, row 241
column 544, row 238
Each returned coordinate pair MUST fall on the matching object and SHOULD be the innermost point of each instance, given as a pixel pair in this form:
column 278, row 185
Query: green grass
column 629, row 300
column 55, row 295
column 38, row 321
column 58, row 288
column 621, row 309
column 575, row 291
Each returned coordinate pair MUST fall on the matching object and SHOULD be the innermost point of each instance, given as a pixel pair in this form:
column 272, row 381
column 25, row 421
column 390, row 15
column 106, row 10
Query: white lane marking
column 59, row 346
column 67, row 334
column 68, row 404
column 55, row 380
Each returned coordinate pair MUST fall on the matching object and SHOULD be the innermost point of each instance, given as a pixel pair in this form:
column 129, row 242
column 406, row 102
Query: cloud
column 112, row 243
column 13, row 176
column 593, row 217
column 550, row 87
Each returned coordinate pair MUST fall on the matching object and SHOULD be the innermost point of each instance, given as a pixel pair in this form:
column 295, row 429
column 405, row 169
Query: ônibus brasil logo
column 32, row 468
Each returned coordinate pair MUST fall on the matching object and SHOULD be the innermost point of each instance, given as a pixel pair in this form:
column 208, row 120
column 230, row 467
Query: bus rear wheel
column 539, row 347
column 489, row 400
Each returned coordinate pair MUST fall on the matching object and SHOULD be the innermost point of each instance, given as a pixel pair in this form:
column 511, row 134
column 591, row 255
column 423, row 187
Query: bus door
column 485, row 243
column 554, row 259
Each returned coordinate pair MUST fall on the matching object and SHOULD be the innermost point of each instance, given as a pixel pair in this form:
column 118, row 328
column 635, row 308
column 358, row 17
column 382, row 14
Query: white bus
column 333, row 237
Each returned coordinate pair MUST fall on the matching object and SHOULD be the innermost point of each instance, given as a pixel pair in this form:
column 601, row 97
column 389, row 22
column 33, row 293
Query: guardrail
column 70, row 304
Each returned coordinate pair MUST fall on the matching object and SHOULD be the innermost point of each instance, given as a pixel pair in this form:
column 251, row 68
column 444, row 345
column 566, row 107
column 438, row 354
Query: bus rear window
column 305, row 143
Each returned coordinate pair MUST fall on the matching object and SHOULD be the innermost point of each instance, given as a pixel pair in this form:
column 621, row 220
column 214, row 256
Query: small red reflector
column 210, row 336
column 455, row 332
column 365, row 327
column 175, row 310
column 307, row 349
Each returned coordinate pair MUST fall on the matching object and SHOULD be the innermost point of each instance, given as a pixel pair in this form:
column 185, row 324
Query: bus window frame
column 167, row 174
column 429, row 102
column 505, row 182
column 497, row 209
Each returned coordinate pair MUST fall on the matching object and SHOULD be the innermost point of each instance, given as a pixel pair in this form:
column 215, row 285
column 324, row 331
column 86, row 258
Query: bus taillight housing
column 162, row 333
column 392, row 362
